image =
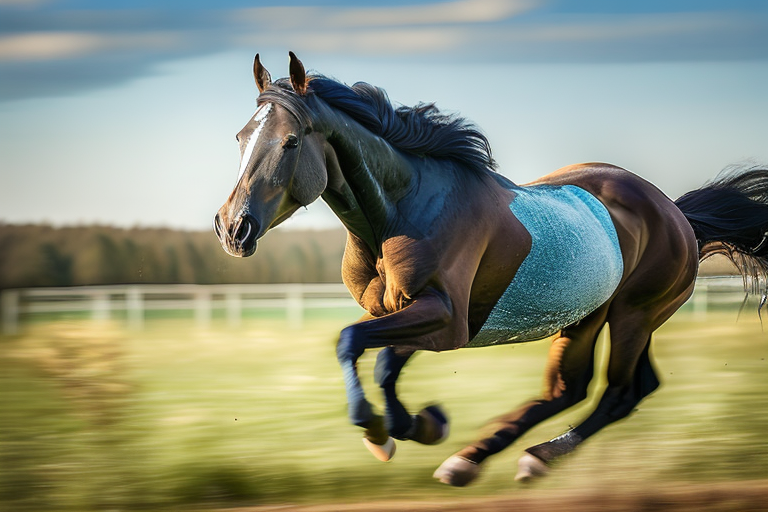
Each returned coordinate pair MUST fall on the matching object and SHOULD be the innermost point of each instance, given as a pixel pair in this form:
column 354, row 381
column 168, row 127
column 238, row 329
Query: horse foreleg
column 414, row 327
column 389, row 363
column 429, row 426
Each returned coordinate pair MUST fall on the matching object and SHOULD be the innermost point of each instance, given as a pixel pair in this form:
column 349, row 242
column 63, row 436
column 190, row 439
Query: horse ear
column 260, row 73
column 298, row 76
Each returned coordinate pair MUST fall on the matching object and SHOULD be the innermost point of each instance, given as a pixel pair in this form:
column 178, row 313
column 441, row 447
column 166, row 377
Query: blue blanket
column 573, row 268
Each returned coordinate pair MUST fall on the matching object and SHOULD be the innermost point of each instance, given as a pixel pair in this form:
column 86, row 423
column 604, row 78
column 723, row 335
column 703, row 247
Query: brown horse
column 445, row 253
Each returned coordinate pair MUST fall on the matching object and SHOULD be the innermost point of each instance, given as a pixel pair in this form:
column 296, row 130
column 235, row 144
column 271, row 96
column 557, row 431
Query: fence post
column 9, row 303
column 100, row 306
column 234, row 308
column 295, row 306
column 203, row 308
column 134, row 304
column 700, row 300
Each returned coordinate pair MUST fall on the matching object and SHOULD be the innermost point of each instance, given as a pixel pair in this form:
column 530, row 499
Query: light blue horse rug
column 574, row 265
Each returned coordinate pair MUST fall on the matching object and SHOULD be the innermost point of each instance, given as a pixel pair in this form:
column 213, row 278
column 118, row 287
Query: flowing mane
column 420, row 130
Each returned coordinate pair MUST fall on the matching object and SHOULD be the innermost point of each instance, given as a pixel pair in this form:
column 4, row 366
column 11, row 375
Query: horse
column 443, row 253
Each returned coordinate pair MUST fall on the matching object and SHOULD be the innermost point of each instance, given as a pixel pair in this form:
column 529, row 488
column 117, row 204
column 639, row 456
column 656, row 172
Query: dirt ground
column 717, row 497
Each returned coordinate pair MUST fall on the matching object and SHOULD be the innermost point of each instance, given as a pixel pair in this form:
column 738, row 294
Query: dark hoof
column 376, row 431
column 431, row 425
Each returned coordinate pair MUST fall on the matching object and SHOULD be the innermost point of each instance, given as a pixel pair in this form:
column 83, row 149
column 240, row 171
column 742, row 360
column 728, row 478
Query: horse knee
column 349, row 347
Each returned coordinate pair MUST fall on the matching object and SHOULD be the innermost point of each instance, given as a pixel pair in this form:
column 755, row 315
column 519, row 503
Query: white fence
column 133, row 301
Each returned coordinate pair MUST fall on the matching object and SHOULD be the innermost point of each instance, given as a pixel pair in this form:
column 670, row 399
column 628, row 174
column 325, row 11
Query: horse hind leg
column 631, row 377
column 570, row 366
column 649, row 297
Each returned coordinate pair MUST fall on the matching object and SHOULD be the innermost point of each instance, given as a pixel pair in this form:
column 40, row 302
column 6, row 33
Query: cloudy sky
column 124, row 112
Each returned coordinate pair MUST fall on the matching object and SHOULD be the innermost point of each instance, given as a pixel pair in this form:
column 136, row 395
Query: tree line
column 43, row 255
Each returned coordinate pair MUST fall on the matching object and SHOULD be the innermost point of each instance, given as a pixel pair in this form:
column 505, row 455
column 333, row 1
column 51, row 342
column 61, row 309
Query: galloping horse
column 444, row 253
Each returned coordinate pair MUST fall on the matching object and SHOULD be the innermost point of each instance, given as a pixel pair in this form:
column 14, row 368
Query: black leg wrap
column 399, row 422
column 430, row 426
column 388, row 366
column 375, row 431
column 557, row 447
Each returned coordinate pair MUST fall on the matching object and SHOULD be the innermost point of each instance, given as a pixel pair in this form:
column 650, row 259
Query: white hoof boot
column 457, row 471
column 383, row 452
column 530, row 467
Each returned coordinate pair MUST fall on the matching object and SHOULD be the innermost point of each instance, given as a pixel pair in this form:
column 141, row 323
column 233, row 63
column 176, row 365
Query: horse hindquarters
column 729, row 217
column 660, row 281
column 660, row 261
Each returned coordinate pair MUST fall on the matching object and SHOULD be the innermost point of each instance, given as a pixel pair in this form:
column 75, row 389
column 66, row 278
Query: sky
column 124, row 112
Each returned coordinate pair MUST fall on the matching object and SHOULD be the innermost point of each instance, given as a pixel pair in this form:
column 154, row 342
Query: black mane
column 420, row 130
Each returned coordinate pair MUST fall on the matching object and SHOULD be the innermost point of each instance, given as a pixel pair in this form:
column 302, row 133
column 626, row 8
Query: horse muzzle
column 238, row 236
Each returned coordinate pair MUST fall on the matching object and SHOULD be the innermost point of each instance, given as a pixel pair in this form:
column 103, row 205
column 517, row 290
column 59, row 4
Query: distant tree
column 56, row 266
column 41, row 255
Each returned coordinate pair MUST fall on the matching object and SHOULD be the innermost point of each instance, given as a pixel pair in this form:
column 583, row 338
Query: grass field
column 98, row 418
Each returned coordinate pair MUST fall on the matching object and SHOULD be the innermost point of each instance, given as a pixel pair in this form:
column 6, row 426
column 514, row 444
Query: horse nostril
column 246, row 229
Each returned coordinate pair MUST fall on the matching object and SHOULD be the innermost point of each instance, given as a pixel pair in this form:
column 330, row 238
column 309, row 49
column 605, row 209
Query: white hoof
column 530, row 467
column 383, row 452
column 457, row 471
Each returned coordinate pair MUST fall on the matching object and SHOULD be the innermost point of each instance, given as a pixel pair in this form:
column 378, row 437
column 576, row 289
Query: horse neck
column 373, row 176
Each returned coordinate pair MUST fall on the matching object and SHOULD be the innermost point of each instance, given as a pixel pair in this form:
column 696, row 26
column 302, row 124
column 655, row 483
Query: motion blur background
column 117, row 124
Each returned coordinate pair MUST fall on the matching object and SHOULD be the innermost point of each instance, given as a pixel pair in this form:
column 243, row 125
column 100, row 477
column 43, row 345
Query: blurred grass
column 98, row 418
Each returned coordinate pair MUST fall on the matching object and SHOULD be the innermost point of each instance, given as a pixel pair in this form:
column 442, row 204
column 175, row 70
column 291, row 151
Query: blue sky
column 124, row 112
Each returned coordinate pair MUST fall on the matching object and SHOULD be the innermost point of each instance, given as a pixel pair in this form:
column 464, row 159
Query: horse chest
column 574, row 266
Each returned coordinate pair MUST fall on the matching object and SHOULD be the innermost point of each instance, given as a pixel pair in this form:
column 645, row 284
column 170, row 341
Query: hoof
column 383, row 452
column 530, row 467
column 431, row 426
column 457, row 471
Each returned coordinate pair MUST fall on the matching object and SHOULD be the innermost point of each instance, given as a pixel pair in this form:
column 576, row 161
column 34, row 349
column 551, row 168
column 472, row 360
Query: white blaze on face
column 259, row 117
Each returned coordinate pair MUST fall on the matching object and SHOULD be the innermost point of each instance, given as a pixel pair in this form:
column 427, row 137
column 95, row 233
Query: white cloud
column 391, row 41
column 37, row 46
column 638, row 26
column 46, row 45
column 460, row 11
column 128, row 43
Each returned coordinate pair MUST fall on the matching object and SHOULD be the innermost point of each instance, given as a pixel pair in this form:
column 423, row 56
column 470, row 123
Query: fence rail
column 133, row 301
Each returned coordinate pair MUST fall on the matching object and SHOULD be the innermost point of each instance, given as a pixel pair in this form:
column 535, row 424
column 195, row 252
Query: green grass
column 98, row 418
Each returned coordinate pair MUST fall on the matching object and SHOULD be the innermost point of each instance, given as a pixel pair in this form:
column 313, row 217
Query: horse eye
column 290, row 141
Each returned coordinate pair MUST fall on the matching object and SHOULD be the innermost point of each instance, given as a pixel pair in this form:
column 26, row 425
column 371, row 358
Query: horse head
column 282, row 163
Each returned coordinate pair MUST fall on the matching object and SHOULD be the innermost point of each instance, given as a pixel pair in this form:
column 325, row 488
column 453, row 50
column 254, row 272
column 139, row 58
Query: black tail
column 730, row 217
